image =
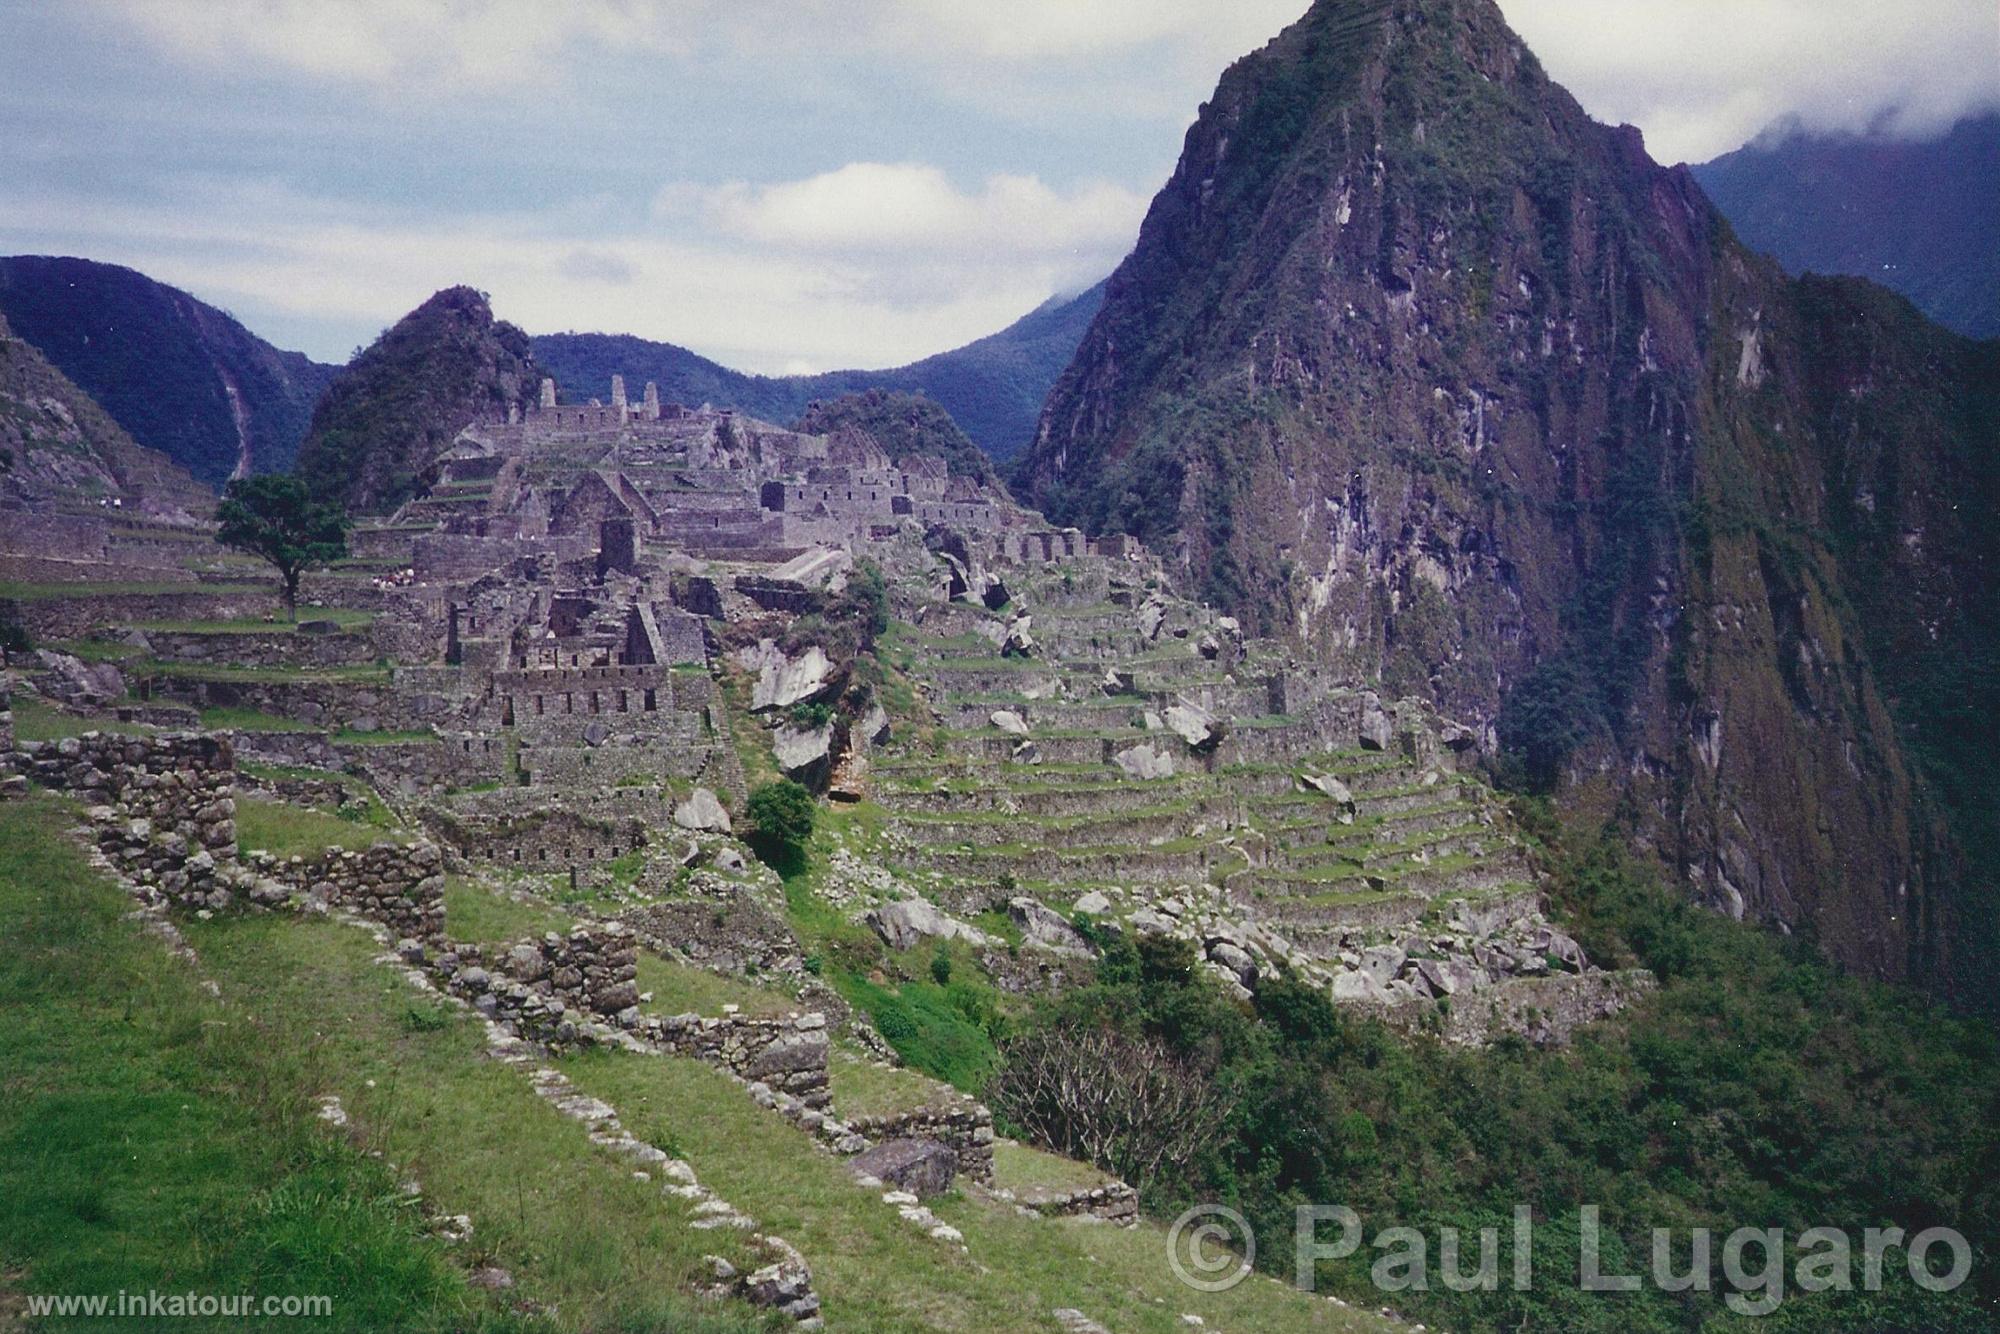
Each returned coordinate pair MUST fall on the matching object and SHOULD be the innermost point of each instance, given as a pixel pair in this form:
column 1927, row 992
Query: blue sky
column 780, row 184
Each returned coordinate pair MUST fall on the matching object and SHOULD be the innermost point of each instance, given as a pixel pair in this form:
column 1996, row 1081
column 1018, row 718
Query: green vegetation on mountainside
column 1758, row 1088
column 394, row 408
column 907, row 426
column 171, row 370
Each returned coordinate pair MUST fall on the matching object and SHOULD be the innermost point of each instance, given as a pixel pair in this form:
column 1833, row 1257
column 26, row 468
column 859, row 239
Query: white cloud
column 756, row 307
column 1703, row 76
column 415, row 47
column 908, row 207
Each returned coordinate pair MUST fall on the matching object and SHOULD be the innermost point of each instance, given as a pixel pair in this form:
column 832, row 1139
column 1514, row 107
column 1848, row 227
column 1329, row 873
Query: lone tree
column 275, row 519
column 781, row 816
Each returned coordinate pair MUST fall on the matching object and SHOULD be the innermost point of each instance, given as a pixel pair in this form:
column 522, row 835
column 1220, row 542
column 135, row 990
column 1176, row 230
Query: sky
column 782, row 185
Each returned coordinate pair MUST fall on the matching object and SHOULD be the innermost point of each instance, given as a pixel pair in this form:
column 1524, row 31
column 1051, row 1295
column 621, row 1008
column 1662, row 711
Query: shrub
column 781, row 819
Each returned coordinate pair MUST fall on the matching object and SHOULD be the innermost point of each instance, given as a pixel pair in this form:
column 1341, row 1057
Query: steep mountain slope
column 993, row 388
column 180, row 376
column 905, row 425
column 60, row 451
column 1416, row 359
column 398, row 404
column 1920, row 218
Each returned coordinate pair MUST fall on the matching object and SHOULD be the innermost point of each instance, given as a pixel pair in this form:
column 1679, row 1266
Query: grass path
column 154, row 1137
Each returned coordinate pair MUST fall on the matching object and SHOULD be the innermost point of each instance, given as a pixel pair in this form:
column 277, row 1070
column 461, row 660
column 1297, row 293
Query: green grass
column 680, row 988
column 1019, row 1167
column 345, row 618
column 286, row 830
column 479, row 915
column 876, row 1272
column 35, row 720
column 152, row 1137
column 183, row 671
column 28, row 592
column 863, row 1088
column 347, row 736
column 580, row 1235
column 250, row 720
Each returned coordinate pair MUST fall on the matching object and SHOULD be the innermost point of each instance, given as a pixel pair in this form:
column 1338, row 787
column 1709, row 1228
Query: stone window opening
column 652, row 703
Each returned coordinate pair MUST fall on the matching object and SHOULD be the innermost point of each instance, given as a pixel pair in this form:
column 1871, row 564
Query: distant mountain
column 993, row 388
column 397, row 405
column 1920, row 218
column 60, row 451
column 179, row 375
column 905, row 425
column 1415, row 361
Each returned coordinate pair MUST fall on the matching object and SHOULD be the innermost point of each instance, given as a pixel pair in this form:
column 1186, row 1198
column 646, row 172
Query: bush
column 781, row 819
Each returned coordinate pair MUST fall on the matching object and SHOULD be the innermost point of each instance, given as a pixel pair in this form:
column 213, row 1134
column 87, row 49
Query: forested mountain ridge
column 179, row 375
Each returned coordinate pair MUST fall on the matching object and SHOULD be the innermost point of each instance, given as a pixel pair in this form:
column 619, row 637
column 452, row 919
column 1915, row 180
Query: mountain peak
column 1415, row 360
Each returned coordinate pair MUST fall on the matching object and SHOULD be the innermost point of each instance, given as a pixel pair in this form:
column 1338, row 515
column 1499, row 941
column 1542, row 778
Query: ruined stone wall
column 80, row 617
column 164, row 806
column 65, row 536
column 400, row 886
column 366, row 705
column 787, row 1053
column 965, row 1128
column 277, row 647
column 411, row 767
column 717, row 922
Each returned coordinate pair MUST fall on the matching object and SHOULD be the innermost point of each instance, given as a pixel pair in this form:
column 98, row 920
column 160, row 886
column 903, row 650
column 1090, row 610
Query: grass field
column 285, row 830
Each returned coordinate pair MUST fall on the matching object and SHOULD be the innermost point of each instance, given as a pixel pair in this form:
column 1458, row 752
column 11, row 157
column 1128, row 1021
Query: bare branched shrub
column 1126, row 1104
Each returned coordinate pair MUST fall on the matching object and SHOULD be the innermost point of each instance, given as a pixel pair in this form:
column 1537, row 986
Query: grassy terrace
column 25, row 592
column 185, row 671
column 344, row 618
column 296, row 831
column 863, row 1088
column 1021, row 1168
column 481, row 915
column 34, row 720
column 680, row 988
column 250, row 720
column 876, row 1272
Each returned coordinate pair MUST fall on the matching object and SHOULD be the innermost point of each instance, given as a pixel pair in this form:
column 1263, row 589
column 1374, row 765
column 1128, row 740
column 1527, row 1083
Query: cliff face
column 1417, row 361
column 399, row 403
column 179, row 375
column 61, row 452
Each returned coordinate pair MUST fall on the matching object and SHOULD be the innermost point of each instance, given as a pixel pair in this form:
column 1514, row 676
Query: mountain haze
column 1920, row 218
column 993, row 387
column 1417, row 361
column 179, row 375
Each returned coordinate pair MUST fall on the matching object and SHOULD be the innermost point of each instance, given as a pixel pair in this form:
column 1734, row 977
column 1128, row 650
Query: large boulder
column 1195, row 726
column 922, row 1167
column 1008, row 721
column 702, row 811
column 1043, row 926
column 1377, row 729
column 910, row 922
column 1144, row 761
column 784, row 681
column 76, row 682
column 799, row 750
column 1019, row 642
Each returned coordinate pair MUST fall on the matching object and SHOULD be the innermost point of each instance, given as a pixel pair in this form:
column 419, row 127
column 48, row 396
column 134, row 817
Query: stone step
column 1119, row 795
column 1172, row 864
column 1059, row 831
column 1459, row 841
